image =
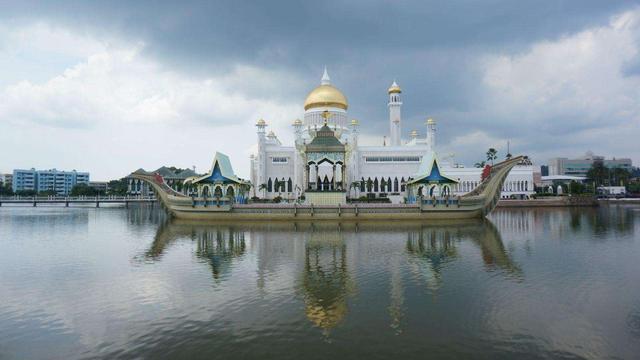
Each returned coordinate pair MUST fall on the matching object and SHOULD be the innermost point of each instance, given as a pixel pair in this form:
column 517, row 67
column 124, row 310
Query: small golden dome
column 354, row 122
column 326, row 95
column 261, row 122
column 297, row 122
column 394, row 88
column 430, row 121
column 414, row 134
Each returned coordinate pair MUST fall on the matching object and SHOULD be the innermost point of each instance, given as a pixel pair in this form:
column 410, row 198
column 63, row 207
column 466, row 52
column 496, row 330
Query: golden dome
column 297, row 122
column 261, row 122
column 354, row 122
column 325, row 95
column 414, row 133
column 394, row 88
column 430, row 121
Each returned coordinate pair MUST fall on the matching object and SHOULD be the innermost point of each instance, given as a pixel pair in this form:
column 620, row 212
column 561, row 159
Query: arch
column 217, row 192
column 269, row 185
column 205, row 191
column 362, row 184
column 369, row 185
column 230, row 192
column 389, row 185
column 375, row 184
column 289, row 185
column 403, row 186
column 395, row 185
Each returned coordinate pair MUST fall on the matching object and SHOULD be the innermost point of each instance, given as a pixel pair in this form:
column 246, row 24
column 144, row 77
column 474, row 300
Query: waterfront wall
column 556, row 201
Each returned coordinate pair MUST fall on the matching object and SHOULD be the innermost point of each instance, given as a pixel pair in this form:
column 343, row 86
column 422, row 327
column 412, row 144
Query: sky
column 109, row 87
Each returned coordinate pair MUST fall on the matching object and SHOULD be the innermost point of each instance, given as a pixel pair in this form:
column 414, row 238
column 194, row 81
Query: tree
column 492, row 154
column 83, row 190
column 118, row 187
column 5, row 190
column 480, row 164
column 598, row 173
column 263, row 187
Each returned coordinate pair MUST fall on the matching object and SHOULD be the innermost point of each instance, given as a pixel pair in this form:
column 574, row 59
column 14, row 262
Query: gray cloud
column 436, row 50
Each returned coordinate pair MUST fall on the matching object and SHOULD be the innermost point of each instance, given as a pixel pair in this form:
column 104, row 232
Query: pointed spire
column 326, row 80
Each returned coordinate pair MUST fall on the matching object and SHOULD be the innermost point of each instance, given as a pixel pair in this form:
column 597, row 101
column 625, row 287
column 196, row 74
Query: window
column 279, row 160
column 412, row 159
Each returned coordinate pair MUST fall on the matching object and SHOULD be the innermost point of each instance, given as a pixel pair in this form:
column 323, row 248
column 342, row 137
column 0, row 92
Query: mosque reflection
column 321, row 261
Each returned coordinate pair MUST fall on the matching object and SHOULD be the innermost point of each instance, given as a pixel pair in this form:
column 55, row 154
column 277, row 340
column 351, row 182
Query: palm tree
column 263, row 187
column 480, row 164
column 492, row 154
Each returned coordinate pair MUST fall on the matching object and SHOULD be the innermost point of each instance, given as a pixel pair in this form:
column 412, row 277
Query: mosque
column 326, row 162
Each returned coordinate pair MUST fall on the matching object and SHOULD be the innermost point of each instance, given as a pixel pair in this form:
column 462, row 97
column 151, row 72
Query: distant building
column 48, row 180
column 174, row 177
column 102, row 186
column 6, row 180
column 544, row 170
column 580, row 167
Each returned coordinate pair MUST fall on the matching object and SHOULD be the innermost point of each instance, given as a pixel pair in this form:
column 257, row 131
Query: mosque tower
column 431, row 134
column 394, row 114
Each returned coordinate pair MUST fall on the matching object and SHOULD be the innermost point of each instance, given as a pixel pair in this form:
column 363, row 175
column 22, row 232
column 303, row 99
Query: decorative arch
column 217, row 192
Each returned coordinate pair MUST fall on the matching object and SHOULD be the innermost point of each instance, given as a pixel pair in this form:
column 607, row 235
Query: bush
column 277, row 199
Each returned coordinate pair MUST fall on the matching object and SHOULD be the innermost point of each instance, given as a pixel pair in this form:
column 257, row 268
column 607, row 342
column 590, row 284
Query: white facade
column 378, row 170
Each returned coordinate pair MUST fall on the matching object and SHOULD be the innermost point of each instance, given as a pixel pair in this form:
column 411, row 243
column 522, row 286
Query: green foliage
column 277, row 199
column 26, row 192
column 83, row 190
column 492, row 154
column 5, row 190
column 48, row 193
column 603, row 175
column 118, row 187
column 480, row 164
column 634, row 188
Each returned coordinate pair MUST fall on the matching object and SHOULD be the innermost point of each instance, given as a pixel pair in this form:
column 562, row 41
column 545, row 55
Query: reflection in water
column 325, row 280
column 437, row 246
column 219, row 248
column 216, row 245
column 544, row 283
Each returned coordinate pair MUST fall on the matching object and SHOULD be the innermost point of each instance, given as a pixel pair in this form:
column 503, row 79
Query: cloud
column 117, row 90
column 564, row 91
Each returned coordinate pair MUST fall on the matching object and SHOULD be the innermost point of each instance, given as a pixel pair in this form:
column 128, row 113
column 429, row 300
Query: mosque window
column 392, row 158
column 280, row 160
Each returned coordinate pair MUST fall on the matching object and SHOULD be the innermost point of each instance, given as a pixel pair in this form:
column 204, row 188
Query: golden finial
column 326, row 115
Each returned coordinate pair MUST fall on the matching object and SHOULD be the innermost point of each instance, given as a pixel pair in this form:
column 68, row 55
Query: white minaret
column 261, row 158
column 431, row 134
column 394, row 114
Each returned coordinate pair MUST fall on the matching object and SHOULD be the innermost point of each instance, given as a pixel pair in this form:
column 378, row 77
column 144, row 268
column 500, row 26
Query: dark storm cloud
column 430, row 47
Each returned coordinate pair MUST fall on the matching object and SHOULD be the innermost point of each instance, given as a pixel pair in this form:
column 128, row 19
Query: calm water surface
column 129, row 283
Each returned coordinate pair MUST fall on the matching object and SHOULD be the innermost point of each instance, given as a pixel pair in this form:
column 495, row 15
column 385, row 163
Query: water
column 128, row 283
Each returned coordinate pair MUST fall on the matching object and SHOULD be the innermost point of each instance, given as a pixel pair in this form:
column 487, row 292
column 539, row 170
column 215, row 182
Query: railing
column 77, row 198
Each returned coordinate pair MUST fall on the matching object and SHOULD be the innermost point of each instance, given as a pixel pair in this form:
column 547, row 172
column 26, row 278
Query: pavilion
column 430, row 181
column 221, row 183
